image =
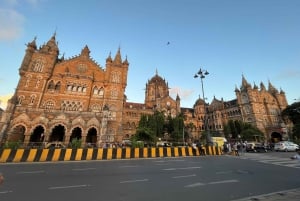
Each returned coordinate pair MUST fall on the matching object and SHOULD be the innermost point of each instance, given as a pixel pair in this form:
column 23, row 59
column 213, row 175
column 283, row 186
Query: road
column 161, row 179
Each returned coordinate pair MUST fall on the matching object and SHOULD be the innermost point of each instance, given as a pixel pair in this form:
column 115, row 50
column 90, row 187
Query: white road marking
column 64, row 187
column 83, row 169
column 4, row 192
column 194, row 185
column 185, row 168
column 224, row 181
column 211, row 183
column 128, row 166
column 31, row 172
column 184, row 176
column 133, row 181
column 224, row 172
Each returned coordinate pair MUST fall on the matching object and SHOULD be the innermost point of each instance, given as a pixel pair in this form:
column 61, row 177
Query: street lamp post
column 202, row 74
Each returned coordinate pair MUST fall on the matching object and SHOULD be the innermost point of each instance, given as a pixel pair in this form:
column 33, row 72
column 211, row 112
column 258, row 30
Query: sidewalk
column 290, row 195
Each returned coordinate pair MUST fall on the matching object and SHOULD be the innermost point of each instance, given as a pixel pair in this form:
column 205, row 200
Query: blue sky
column 230, row 38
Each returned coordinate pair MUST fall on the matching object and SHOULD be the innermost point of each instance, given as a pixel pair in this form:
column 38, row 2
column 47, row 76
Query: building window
column 27, row 80
column 38, row 82
column 114, row 94
column 32, row 98
column 49, row 105
column 20, row 100
column 51, row 85
column 115, row 77
column 101, row 92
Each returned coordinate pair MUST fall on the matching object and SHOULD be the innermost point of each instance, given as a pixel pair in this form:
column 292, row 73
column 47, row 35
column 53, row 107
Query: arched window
column 95, row 90
column 38, row 82
column 101, row 92
column 57, row 86
column 32, row 98
column 20, row 100
column 27, row 80
column 51, row 85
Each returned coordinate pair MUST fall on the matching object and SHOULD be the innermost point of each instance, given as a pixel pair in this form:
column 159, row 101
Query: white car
column 285, row 146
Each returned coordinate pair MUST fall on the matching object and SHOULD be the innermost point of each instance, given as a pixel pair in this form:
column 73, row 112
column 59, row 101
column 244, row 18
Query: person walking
column 236, row 149
column 1, row 178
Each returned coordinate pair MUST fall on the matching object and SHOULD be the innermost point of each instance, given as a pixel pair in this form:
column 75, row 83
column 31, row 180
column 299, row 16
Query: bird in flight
column 168, row 43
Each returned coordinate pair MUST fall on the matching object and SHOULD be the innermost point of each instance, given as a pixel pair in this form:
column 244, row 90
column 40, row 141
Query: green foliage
column 12, row 145
column 296, row 133
column 144, row 134
column 292, row 112
column 76, row 143
column 245, row 130
column 178, row 128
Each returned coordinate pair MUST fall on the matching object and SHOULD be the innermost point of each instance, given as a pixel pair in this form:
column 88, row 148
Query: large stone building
column 60, row 99
column 255, row 105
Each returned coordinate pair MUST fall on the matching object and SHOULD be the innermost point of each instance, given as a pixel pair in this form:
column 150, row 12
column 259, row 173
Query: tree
column 241, row 129
column 150, row 127
column 292, row 113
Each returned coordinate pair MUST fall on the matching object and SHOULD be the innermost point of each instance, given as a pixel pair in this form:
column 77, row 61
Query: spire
column 85, row 52
column 262, row 87
column 255, row 86
column 126, row 61
column 109, row 59
column 118, row 58
column 51, row 46
column 272, row 89
column 245, row 83
column 32, row 44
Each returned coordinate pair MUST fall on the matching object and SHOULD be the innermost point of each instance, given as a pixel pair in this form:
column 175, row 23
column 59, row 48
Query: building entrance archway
column 92, row 136
column 17, row 134
column 37, row 134
column 58, row 133
column 276, row 137
column 76, row 134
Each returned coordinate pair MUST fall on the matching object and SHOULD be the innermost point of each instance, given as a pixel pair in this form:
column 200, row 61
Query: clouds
column 12, row 20
column 11, row 23
column 4, row 99
column 184, row 94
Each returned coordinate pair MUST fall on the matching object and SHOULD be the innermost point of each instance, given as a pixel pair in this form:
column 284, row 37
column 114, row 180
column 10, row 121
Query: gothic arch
column 58, row 133
column 17, row 133
column 92, row 135
column 37, row 134
column 276, row 137
column 76, row 133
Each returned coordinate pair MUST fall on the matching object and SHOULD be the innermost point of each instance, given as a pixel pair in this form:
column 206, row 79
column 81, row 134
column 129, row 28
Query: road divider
column 44, row 155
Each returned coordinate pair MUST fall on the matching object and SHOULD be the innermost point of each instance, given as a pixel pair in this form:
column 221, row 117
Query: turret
column 31, row 48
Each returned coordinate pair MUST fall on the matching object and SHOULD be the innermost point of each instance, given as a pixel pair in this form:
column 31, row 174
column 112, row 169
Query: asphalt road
column 162, row 179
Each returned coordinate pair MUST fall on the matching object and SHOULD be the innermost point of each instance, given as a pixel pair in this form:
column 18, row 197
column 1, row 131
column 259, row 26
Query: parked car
column 285, row 146
column 256, row 147
column 52, row 145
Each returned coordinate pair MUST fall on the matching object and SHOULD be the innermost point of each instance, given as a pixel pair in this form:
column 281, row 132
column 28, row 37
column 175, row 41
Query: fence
column 44, row 155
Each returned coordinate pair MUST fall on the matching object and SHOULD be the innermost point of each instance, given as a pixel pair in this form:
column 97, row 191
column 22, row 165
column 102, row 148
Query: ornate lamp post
column 202, row 74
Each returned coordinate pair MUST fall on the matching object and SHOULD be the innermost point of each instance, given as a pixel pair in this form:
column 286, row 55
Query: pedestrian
column 1, row 178
column 201, row 148
column 236, row 149
column 297, row 155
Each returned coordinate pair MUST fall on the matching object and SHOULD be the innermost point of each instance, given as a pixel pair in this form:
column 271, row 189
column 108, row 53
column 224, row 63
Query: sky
column 257, row 39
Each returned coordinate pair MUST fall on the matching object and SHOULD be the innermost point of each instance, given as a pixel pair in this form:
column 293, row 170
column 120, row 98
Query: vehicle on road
column 285, row 146
column 52, row 145
column 256, row 147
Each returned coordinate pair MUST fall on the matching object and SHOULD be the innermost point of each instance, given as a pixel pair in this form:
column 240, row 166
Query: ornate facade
column 260, row 107
column 60, row 99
